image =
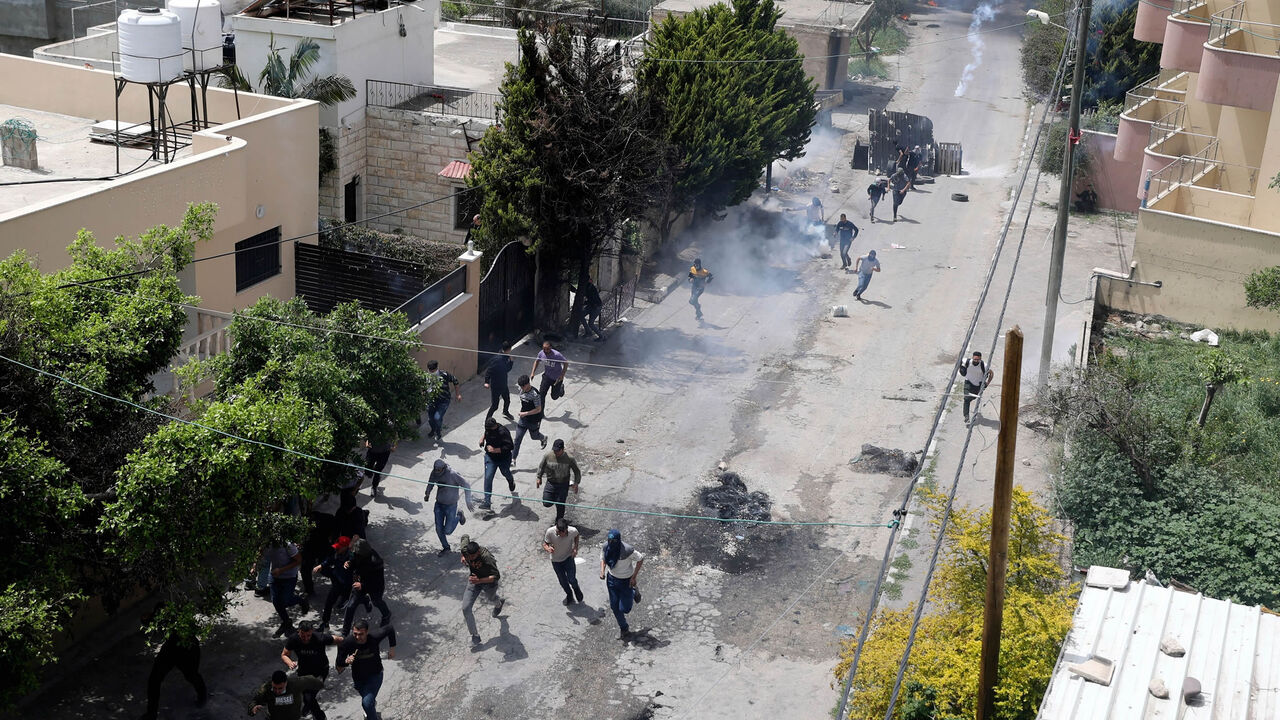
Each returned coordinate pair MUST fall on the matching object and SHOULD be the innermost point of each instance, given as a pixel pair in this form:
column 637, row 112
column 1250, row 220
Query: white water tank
column 150, row 45
column 201, row 32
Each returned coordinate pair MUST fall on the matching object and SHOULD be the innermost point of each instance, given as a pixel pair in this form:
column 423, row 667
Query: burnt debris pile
column 885, row 461
column 730, row 500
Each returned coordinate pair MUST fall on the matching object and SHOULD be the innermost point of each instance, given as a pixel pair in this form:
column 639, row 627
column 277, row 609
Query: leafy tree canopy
column 735, row 98
column 1147, row 489
column 942, row 675
column 62, row 446
column 1262, row 288
column 573, row 159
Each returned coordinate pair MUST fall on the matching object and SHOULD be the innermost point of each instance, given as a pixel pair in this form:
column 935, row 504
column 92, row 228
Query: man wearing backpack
column 976, row 375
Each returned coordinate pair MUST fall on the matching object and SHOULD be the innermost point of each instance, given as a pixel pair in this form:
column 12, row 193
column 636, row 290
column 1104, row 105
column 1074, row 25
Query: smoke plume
column 983, row 13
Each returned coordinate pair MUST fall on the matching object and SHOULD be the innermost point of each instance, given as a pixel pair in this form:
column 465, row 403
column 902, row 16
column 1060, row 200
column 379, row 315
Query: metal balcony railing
column 1176, row 123
column 432, row 99
column 1190, row 9
column 1153, row 87
column 1205, row 170
column 1231, row 29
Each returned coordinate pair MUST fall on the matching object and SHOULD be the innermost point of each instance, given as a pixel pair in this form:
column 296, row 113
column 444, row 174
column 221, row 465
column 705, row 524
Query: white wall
column 367, row 47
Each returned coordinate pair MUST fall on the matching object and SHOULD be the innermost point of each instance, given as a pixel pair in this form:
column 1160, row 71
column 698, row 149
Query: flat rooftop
column 64, row 151
column 473, row 56
column 794, row 12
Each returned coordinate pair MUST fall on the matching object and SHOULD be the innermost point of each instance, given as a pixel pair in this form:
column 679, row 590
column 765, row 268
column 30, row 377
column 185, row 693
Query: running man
column 699, row 278
column 483, row 578
column 554, row 367
column 866, row 265
column 846, row 231
column 438, row 405
column 876, row 191
column 977, row 375
column 309, row 647
column 556, row 467
column 362, row 652
column 283, row 697
column 561, row 543
column 449, row 485
column 495, row 378
column 529, row 421
column 620, row 568
column 900, row 184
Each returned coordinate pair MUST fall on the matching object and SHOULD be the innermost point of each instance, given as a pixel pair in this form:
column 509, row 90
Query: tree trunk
column 546, row 302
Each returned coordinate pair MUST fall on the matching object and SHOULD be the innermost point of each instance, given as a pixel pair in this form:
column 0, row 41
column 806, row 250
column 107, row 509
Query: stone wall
column 350, row 142
column 405, row 151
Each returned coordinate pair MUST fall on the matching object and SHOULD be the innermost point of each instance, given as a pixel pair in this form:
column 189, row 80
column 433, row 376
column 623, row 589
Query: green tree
column 1146, row 488
column 63, row 445
column 572, row 161
column 942, row 675
column 1117, row 61
column 881, row 15
column 727, row 90
column 1041, row 49
column 1262, row 288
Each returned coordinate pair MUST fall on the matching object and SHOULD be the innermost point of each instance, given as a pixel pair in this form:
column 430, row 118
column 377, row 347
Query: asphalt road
column 736, row 621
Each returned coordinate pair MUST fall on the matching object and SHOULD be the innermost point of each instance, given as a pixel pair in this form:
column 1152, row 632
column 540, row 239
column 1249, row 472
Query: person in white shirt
column 976, row 375
column 561, row 543
column 621, row 564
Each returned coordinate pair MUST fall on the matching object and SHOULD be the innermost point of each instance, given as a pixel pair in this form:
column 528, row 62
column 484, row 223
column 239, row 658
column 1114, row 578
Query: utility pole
column 1001, row 508
column 1064, row 196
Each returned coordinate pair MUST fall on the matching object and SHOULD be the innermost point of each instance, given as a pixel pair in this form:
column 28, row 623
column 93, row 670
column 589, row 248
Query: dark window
column 349, row 194
column 257, row 258
column 465, row 207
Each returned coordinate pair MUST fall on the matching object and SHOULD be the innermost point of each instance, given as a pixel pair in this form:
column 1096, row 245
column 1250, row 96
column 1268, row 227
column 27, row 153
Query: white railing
column 1197, row 170
column 1259, row 38
column 213, row 338
column 1154, row 87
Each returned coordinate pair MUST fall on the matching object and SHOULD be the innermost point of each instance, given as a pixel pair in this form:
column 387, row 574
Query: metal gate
column 890, row 130
column 506, row 300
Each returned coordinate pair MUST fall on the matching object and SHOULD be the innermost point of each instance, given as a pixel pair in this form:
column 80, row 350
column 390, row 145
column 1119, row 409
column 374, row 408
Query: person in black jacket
column 180, row 653
column 324, row 527
column 308, row 646
column 361, row 651
column 497, row 444
column 495, row 378
column 592, row 305
column 353, row 520
column 334, row 567
column 438, row 404
column 370, row 582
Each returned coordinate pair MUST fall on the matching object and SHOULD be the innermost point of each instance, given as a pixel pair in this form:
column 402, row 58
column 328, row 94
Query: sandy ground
column 736, row 621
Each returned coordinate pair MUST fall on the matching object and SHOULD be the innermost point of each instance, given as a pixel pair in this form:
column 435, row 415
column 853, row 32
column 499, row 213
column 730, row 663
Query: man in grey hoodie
column 448, row 517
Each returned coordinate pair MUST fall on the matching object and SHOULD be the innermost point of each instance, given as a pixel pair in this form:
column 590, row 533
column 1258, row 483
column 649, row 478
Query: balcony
column 1241, row 61
column 1170, row 138
column 1143, row 105
column 1185, row 34
column 1151, row 20
column 1204, row 187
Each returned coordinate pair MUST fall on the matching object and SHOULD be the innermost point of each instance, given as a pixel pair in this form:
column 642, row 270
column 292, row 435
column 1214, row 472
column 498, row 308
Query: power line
column 947, row 509
column 648, row 513
column 692, row 374
column 902, row 510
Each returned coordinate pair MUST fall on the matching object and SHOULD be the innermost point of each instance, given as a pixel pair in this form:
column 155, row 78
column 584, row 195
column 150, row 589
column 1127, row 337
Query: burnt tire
column 959, row 197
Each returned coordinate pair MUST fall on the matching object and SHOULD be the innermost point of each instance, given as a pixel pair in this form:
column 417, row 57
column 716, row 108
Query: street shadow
column 509, row 643
column 566, row 417
column 992, row 423
column 904, row 219
column 580, row 612
column 877, row 303
column 518, row 511
column 709, row 326
column 457, row 450
column 645, row 639
column 410, row 507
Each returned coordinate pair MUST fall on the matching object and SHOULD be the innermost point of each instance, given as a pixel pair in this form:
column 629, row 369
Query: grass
column 890, row 40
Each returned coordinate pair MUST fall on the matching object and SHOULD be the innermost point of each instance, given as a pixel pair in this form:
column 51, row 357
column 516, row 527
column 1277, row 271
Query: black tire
column 959, row 197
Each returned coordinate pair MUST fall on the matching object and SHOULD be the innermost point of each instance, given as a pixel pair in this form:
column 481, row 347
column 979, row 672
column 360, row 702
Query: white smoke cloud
column 983, row 13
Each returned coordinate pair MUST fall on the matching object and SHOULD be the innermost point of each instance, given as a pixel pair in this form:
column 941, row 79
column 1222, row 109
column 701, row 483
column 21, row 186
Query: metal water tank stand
column 165, row 142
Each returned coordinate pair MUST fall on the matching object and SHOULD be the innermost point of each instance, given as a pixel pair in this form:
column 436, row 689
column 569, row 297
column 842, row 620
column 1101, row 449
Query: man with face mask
column 620, row 568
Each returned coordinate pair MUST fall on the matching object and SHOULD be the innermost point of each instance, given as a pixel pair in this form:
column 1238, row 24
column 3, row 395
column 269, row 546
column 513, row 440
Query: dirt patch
column 885, row 461
column 731, row 500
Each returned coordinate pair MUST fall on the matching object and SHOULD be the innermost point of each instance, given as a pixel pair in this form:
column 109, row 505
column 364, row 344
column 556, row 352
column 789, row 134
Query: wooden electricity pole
column 1001, row 508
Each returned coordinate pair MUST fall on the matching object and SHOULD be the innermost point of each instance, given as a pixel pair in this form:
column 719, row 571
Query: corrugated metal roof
column 456, row 170
column 1231, row 649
